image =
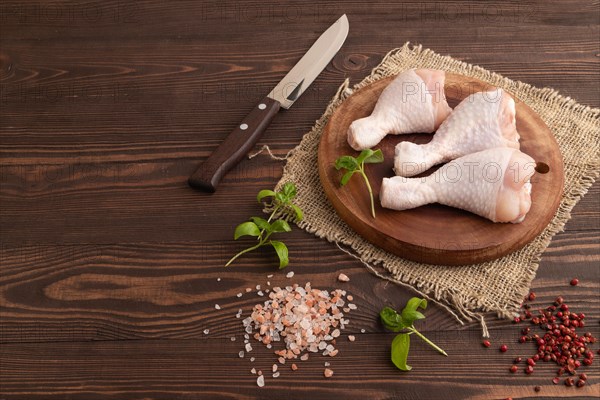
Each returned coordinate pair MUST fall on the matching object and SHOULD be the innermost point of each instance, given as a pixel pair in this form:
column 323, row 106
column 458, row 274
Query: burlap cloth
column 466, row 291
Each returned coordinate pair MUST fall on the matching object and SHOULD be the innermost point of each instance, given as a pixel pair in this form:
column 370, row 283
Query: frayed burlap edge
column 466, row 291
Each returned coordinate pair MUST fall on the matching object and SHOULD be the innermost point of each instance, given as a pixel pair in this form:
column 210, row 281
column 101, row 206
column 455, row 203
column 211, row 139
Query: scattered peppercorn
column 569, row 382
column 537, row 388
column 529, row 370
column 574, row 282
column 486, row 343
column 558, row 341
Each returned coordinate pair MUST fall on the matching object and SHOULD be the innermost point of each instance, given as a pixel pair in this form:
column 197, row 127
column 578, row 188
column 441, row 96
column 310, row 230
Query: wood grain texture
column 109, row 261
column 433, row 233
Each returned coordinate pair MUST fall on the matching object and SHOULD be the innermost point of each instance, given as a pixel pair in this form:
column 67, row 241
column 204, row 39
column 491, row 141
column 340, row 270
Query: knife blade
column 237, row 144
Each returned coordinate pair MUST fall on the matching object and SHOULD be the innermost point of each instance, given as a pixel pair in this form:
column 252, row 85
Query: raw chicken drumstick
column 493, row 183
column 414, row 102
column 483, row 120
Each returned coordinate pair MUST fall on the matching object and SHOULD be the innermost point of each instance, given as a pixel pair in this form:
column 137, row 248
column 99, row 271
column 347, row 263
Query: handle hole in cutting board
column 542, row 168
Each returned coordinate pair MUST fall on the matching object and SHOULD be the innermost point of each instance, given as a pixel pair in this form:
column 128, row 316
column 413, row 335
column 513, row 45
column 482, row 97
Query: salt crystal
column 328, row 373
column 335, row 333
column 274, row 367
column 260, row 293
column 362, row 331
column 281, row 360
column 269, row 346
column 217, row 307
column 241, row 354
column 351, row 338
column 343, row 278
column 270, row 276
column 239, row 295
column 352, row 306
column 252, row 359
column 276, row 375
column 257, row 287
column 304, row 357
column 218, row 279
column 260, row 381
column 289, row 274
column 248, row 290
column 253, row 371
column 326, row 364
column 206, row 331
column 350, row 298
column 233, row 338
column 268, row 284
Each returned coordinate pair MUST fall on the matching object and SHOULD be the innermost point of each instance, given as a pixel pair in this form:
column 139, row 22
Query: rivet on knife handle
column 235, row 146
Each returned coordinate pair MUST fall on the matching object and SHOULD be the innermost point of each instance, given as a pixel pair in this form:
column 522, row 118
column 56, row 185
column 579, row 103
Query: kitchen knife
column 246, row 134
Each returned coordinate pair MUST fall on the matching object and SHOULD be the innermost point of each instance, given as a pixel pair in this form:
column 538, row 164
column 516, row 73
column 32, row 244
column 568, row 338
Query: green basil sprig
column 262, row 228
column 354, row 165
column 404, row 322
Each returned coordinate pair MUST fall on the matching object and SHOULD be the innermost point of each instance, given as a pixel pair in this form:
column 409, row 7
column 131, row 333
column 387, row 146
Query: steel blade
column 311, row 64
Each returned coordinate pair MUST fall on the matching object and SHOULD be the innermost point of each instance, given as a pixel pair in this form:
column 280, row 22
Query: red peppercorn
column 529, row 370
column 518, row 360
column 587, row 361
column 564, row 307
column 486, row 343
column 580, row 383
column 569, row 382
column 555, row 381
column 522, row 339
column 531, row 296
column 583, row 377
column 574, row 282
column 537, row 388
column 513, row 369
column 503, row 348
column 516, row 320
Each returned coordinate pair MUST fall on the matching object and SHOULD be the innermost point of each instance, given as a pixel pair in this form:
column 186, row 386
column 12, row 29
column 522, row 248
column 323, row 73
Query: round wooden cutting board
column 434, row 233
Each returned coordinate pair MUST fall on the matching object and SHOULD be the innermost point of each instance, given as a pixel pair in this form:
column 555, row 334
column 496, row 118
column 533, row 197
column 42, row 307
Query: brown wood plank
column 134, row 291
column 105, row 110
column 206, row 368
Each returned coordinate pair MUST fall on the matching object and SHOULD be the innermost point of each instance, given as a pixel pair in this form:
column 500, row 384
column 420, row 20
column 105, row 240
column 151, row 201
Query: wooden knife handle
column 235, row 146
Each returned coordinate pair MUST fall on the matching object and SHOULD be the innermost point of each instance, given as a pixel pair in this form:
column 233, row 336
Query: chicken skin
column 493, row 183
column 483, row 120
column 414, row 102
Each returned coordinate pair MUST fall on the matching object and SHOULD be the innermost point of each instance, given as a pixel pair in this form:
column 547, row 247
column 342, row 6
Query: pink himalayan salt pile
column 305, row 319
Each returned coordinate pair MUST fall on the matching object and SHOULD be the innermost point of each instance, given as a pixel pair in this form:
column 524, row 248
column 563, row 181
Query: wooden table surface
column 110, row 262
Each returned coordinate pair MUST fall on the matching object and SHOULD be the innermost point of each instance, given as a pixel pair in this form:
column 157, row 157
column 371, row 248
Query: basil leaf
column 400, row 347
column 289, row 190
column 415, row 303
column 347, row 162
column 298, row 212
column 346, row 177
column 264, row 193
column 282, row 253
column 391, row 320
column 246, row 229
column 375, row 158
column 262, row 223
column 410, row 316
column 280, row 226
column 366, row 153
